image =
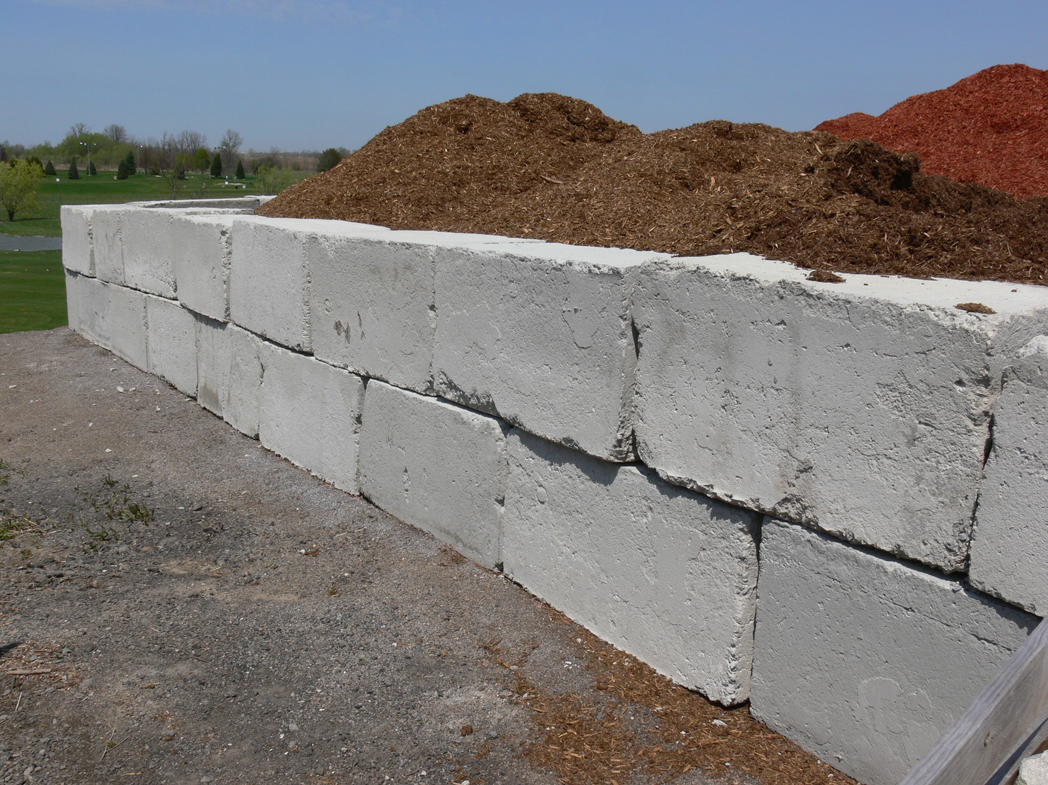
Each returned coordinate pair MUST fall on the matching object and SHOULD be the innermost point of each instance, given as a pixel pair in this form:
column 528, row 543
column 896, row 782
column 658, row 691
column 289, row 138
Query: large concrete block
column 148, row 244
column 860, row 408
column 541, row 334
column 172, row 343
column 107, row 244
column 661, row 572
column 372, row 301
column 269, row 290
column 1009, row 556
column 865, row 661
column 200, row 258
column 229, row 373
column 77, row 253
column 73, row 294
column 112, row 316
column 310, row 414
column 436, row 466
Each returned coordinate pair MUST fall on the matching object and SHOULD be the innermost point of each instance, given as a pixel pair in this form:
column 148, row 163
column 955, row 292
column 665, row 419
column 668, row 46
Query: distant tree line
column 172, row 156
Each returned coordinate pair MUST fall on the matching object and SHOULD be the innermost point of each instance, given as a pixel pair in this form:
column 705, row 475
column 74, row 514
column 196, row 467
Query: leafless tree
column 229, row 147
column 191, row 141
column 78, row 129
column 116, row 132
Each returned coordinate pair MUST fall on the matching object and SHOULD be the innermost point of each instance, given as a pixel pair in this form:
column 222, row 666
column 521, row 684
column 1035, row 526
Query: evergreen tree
column 328, row 159
column 74, row 173
column 49, row 169
column 129, row 163
column 240, row 170
column 216, row 165
column 91, row 170
column 121, row 170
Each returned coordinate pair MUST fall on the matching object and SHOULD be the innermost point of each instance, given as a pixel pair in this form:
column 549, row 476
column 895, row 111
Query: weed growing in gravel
column 10, row 525
column 102, row 510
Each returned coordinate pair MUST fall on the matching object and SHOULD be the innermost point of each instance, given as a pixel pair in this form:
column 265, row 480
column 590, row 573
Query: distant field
column 32, row 291
column 32, row 284
column 104, row 188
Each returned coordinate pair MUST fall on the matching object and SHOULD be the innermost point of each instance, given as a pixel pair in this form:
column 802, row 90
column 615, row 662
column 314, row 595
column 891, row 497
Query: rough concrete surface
column 860, row 408
column 436, row 466
column 541, row 334
column 183, row 606
column 666, row 574
column 1010, row 543
column 1034, row 770
column 309, row 412
column 866, row 660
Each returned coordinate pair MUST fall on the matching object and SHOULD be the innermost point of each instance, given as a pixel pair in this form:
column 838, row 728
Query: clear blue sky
column 312, row 74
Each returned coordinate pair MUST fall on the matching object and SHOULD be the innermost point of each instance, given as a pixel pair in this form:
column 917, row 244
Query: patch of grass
column 103, row 188
column 11, row 527
column 102, row 510
column 32, row 290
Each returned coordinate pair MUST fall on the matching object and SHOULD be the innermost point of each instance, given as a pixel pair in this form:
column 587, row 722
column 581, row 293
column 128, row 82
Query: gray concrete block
column 859, row 408
column 372, row 304
column 172, row 343
column 200, row 259
column 1009, row 557
column 663, row 573
column 229, row 373
column 436, row 466
column 73, row 294
column 310, row 414
column 107, row 245
column 541, row 334
column 149, row 245
column 372, row 299
column 269, row 290
column 121, row 315
column 77, row 253
column 866, row 661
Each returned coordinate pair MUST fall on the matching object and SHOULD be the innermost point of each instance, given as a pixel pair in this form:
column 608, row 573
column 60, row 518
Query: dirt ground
column 183, row 606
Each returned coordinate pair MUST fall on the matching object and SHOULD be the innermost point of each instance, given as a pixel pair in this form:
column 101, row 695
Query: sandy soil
column 183, row 606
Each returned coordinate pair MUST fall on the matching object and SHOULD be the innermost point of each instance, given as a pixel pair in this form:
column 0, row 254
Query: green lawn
column 32, row 291
column 104, row 188
column 32, row 284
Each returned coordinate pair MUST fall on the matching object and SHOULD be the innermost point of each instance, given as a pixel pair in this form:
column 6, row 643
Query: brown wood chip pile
column 556, row 168
column 990, row 128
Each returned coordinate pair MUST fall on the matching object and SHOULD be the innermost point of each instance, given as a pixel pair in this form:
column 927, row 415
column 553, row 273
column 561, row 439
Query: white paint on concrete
column 866, row 661
column 229, row 373
column 436, row 466
column 310, row 414
column 77, row 251
column 541, row 334
column 663, row 573
column 861, row 408
column 172, row 343
column 1009, row 557
column 201, row 259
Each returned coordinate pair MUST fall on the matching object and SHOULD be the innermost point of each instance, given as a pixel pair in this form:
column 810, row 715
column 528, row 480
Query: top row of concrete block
column 862, row 408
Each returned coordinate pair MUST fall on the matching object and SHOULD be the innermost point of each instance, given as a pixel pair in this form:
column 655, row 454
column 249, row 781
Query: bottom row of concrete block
column 860, row 658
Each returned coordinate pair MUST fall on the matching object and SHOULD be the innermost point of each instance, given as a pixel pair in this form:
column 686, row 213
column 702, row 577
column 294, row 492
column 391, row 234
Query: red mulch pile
column 556, row 168
column 991, row 128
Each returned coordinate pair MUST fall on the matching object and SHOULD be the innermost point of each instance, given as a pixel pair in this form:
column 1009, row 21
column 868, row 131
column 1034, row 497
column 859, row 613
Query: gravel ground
column 183, row 606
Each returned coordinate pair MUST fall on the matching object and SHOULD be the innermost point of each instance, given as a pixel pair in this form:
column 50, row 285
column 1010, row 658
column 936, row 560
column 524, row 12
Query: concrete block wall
column 806, row 495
